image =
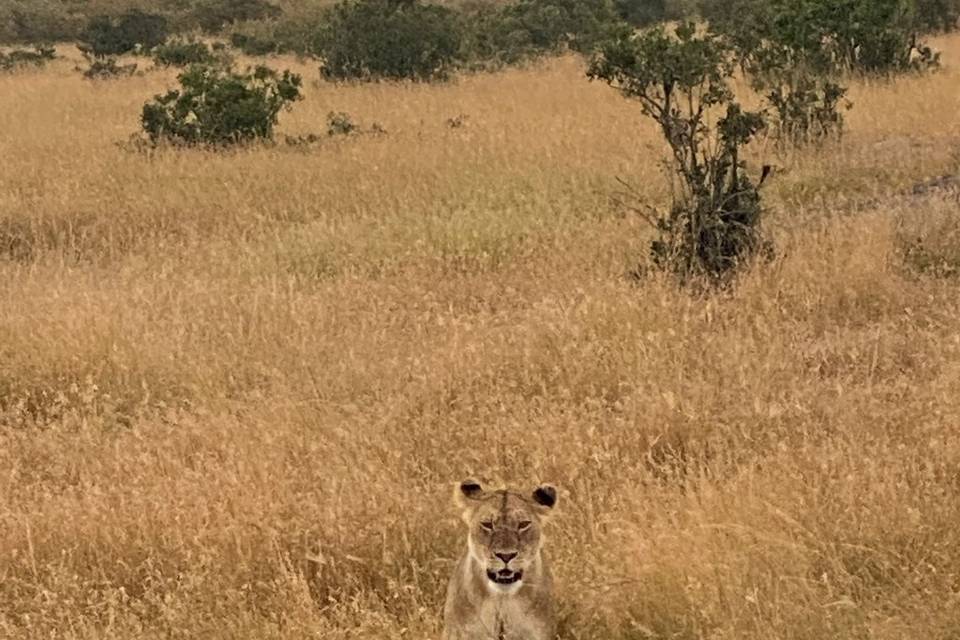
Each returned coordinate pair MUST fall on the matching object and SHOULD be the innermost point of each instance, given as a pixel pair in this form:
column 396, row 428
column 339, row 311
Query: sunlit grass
column 235, row 388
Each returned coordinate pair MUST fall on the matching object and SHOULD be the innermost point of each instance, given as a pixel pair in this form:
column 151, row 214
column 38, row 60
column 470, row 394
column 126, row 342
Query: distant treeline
column 412, row 38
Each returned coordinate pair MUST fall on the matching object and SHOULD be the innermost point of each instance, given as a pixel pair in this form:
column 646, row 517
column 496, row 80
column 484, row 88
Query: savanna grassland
column 236, row 388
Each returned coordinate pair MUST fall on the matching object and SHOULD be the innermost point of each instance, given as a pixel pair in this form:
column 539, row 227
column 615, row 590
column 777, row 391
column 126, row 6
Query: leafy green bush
column 796, row 51
column 389, row 39
column 220, row 106
column 108, row 36
column 805, row 97
column 713, row 225
column 526, row 29
column 181, row 53
column 828, row 36
column 213, row 15
column 17, row 58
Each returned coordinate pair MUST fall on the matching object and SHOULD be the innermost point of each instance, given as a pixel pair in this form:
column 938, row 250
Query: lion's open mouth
column 504, row 576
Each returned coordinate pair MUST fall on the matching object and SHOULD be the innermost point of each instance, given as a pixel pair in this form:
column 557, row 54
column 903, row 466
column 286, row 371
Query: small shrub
column 389, row 39
column 181, row 53
column 458, row 122
column 713, row 225
column 213, row 15
column 107, row 68
column 807, row 103
column 219, row 106
column 17, row 58
column 340, row 124
column 134, row 30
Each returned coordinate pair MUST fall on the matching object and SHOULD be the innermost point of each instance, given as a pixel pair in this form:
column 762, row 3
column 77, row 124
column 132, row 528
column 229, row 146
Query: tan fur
column 502, row 588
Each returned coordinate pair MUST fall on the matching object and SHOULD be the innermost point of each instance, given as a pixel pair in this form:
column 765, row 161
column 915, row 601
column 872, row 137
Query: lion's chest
column 506, row 619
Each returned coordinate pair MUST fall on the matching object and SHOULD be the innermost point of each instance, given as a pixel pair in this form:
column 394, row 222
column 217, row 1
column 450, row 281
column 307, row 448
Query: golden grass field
column 236, row 389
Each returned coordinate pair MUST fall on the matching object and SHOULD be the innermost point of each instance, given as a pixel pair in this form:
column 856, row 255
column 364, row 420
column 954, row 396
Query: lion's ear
column 545, row 495
column 467, row 492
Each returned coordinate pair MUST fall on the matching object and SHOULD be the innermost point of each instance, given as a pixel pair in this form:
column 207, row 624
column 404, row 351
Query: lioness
column 501, row 588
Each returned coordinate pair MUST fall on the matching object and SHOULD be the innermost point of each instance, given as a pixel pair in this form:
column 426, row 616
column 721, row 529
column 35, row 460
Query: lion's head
column 504, row 530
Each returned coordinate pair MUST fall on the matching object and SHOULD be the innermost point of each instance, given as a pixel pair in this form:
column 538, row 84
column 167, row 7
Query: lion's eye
column 523, row 526
column 488, row 526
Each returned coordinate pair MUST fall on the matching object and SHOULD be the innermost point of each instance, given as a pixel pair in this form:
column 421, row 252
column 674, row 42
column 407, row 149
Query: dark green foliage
column 795, row 51
column 213, row 15
column 109, row 36
column 642, row 12
column 389, row 39
column 18, row 58
column 713, row 226
column 805, row 97
column 181, row 53
column 828, row 36
column 253, row 45
column 807, row 108
column 219, row 106
column 529, row 28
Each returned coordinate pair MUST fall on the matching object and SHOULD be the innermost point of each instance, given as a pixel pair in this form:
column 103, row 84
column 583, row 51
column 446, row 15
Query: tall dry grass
column 235, row 388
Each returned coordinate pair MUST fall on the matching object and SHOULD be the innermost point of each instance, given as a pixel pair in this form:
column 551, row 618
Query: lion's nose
column 506, row 557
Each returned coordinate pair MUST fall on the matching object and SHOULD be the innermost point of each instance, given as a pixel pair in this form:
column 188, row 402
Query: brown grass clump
column 235, row 388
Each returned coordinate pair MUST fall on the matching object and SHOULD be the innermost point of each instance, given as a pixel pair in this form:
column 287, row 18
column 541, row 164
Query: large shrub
column 829, row 36
column 112, row 36
column 389, row 39
column 529, row 28
column 713, row 225
column 220, row 106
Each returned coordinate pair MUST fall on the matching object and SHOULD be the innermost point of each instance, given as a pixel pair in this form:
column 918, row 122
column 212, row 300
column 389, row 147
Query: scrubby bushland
column 17, row 58
column 796, row 52
column 32, row 21
column 861, row 36
column 529, row 28
column 180, row 53
column 113, row 36
column 213, row 15
column 713, row 225
column 389, row 39
column 219, row 106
